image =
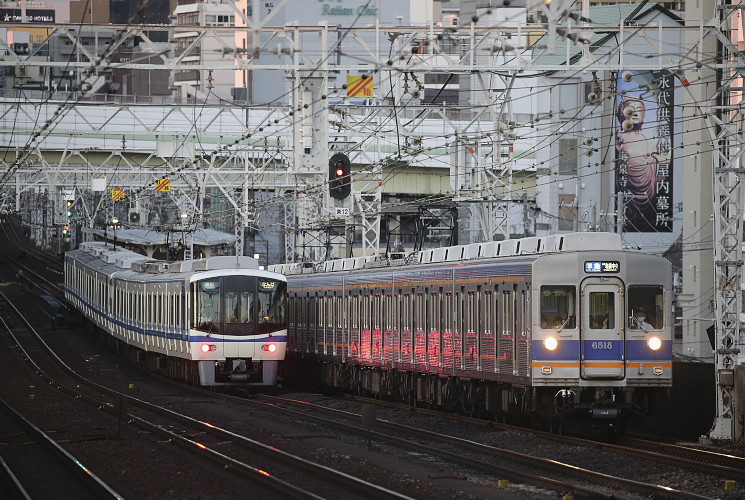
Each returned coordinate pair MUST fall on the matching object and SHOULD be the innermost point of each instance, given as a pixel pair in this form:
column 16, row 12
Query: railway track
column 25, row 248
column 214, row 442
column 705, row 460
column 586, row 480
column 35, row 466
column 278, row 473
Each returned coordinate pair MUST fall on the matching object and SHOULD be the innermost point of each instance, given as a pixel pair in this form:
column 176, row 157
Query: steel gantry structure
column 62, row 142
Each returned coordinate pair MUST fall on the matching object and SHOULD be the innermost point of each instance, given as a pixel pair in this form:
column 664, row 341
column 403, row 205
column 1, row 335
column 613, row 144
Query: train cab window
column 558, row 307
column 645, row 307
column 207, row 306
column 272, row 305
column 602, row 310
column 240, row 305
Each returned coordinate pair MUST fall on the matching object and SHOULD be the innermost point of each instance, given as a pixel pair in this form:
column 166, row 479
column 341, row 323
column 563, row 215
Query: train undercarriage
column 553, row 408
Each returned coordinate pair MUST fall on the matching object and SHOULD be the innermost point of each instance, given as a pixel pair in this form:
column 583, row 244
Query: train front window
column 645, row 307
column 238, row 304
column 272, row 305
column 558, row 306
column 239, row 300
column 207, row 306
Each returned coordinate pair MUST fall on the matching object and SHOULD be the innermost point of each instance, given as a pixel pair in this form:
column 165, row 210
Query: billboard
column 32, row 16
column 644, row 161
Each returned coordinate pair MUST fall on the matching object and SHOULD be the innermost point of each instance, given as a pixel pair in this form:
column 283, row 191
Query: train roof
column 122, row 259
column 534, row 245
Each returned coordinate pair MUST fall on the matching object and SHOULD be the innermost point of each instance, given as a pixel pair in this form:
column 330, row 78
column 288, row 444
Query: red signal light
column 340, row 176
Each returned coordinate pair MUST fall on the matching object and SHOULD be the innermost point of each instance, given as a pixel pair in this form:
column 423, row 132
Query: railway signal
column 70, row 210
column 340, row 180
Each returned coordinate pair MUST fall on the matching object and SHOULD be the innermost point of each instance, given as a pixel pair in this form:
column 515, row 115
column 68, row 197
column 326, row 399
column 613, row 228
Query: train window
column 558, row 306
column 645, row 307
column 602, row 310
column 272, row 302
column 207, row 305
column 238, row 305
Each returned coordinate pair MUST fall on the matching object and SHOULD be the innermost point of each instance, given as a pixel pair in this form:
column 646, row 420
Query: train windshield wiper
column 640, row 325
column 564, row 324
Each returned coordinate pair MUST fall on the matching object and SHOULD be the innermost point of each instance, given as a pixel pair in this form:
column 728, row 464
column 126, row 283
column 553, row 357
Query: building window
column 568, row 156
column 219, row 20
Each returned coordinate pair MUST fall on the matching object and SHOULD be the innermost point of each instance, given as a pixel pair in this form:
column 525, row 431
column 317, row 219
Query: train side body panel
column 577, row 325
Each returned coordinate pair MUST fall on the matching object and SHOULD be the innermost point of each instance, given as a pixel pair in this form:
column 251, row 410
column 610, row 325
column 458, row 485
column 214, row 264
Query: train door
column 388, row 319
column 407, row 327
column 488, row 358
column 354, row 338
column 321, row 328
column 420, row 328
column 366, row 324
column 602, row 353
column 506, row 341
column 396, row 301
column 522, row 332
column 376, row 326
column 336, row 322
column 471, row 329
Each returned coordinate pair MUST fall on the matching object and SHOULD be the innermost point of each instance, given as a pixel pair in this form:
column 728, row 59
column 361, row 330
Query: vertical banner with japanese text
column 644, row 161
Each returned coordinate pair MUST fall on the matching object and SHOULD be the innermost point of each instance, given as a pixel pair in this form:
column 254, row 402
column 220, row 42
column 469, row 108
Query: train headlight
column 208, row 348
column 269, row 347
column 550, row 343
column 654, row 343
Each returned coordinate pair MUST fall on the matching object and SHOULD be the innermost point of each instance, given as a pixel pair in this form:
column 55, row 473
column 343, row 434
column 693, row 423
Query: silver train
column 216, row 321
column 557, row 327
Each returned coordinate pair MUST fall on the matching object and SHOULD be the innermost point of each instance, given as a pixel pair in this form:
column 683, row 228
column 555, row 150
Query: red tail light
column 208, row 347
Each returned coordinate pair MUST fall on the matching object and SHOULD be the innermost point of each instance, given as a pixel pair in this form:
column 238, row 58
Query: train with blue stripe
column 561, row 327
column 209, row 322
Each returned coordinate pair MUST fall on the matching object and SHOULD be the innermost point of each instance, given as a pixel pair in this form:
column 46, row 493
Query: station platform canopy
column 157, row 244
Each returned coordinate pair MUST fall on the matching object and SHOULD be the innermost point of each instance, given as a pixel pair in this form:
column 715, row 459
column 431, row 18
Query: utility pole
column 724, row 121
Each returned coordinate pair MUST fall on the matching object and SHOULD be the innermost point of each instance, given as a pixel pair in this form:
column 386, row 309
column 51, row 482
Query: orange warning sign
column 162, row 184
column 360, row 86
column 116, row 194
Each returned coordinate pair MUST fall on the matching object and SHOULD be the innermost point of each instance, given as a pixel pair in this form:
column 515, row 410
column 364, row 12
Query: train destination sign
column 600, row 266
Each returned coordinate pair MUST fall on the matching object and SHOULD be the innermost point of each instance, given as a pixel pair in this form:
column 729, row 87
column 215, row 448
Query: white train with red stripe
column 567, row 325
column 214, row 321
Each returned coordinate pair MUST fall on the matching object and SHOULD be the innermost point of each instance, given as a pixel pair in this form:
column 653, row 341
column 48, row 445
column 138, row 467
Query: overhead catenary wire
column 184, row 169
